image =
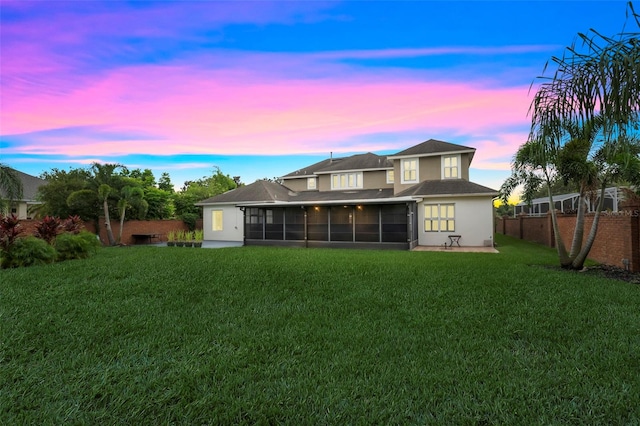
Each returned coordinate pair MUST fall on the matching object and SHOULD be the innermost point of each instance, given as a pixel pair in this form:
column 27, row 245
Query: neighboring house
column 418, row 196
column 568, row 203
column 30, row 185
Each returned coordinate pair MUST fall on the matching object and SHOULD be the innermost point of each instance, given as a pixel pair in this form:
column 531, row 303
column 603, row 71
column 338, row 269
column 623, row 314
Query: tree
column 201, row 189
column 584, row 119
column 55, row 195
column 10, row 186
column 160, row 203
column 106, row 183
column 132, row 197
column 165, row 183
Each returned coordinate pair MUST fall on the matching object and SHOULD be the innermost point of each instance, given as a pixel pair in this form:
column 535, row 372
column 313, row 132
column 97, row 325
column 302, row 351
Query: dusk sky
column 262, row 88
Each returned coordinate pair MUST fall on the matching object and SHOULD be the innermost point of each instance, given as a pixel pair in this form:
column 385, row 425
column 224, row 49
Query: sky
column 259, row 89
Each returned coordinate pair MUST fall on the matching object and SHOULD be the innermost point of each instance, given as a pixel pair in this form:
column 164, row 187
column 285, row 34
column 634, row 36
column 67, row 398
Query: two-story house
column 419, row 196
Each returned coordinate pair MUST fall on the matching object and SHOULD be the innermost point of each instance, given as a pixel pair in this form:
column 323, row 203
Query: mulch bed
column 613, row 273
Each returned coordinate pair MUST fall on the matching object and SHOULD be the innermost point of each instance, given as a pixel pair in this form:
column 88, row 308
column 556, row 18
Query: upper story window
column 390, row 176
column 451, row 167
column 352, row 180
column 311, row 183
column 409, row 170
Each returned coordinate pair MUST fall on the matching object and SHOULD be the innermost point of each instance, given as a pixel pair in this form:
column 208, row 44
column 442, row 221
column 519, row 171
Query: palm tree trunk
column 578, row 232
column 578, row 262
column 121, row 225
column 562, row 251
column 107, row 223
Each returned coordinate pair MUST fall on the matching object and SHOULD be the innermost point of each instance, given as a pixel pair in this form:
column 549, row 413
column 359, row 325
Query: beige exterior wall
column 298, row 184
column 430, row 168
column 21, row 209
column 324, row 182
column 464, row 164
column 473, row 221
column 232, row 223
column 375, row 180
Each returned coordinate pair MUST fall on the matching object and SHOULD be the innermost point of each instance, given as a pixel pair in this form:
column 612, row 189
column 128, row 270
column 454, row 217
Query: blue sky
column 262, row 88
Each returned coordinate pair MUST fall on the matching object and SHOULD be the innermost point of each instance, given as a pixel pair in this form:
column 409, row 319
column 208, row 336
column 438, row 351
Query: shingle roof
column 310, row 170
column 366, row 161
column 447, row 187
column 30, row 185
column 259, row 191
column 432, row 146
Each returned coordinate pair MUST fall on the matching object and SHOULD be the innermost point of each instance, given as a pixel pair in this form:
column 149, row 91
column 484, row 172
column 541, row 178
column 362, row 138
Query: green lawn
column 257, row 335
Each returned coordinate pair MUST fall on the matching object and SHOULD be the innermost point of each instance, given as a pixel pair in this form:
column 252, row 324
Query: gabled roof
column 30, row 185
column 370, row 161
column 447, row 187
column 259, row 191
column 432, row 147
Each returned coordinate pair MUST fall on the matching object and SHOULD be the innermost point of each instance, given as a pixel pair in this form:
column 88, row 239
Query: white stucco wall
column 473, row 220
column 232, row 223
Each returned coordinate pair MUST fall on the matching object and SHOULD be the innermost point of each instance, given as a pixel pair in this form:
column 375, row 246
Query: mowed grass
column 258, row 335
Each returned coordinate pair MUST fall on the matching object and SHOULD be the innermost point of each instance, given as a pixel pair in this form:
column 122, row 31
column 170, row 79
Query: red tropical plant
column 48, row 229
column 10, row 229
column 72, row 224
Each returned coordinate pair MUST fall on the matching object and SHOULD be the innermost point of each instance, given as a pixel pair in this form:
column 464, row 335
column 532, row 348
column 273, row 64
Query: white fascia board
column 331, row 202
column 222, row 203
column 354, row 170
column 475, row 194
column 434, row 154
column 297, row 177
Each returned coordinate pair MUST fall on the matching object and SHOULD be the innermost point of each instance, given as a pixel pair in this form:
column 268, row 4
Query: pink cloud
column 243, row 112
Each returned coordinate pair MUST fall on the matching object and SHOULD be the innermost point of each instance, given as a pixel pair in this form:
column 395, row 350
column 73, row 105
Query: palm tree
column 104, row 182
column 131, row 197
column 10, row 186
column 583, row 120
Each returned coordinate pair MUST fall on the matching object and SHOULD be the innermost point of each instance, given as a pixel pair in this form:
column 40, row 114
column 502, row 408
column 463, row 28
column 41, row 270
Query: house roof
column 432, row 147
column 30, row 185
column 430, row 188
column 266, row 192
column 310, row 170
column 370, row 161
column 366, row 161
column 258, row 191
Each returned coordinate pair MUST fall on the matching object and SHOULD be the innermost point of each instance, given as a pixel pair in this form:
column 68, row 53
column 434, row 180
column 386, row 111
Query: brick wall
column 140, row 227
column 130, row 227
column 538, row 229
column 618, row 236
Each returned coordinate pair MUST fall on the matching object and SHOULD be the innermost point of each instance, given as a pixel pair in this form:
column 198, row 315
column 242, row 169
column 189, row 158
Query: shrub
column 28, row 251
column 72, row 224
column 76, row 246
column 10, row 229
column 190, row 219
column 48, row 229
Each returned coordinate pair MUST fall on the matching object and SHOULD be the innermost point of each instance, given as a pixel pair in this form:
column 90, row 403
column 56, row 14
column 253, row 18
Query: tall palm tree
column 583, row 119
